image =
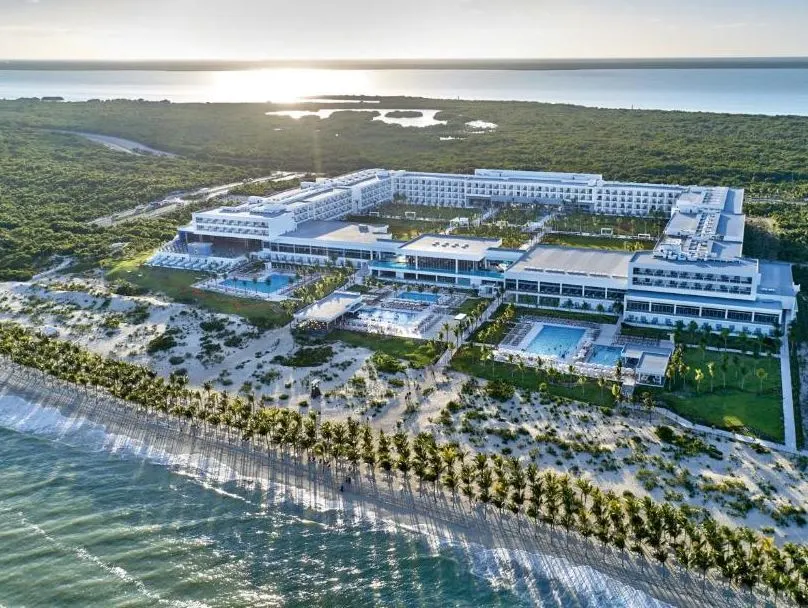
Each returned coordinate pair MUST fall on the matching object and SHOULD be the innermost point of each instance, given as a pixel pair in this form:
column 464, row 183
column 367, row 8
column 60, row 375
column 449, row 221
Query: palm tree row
column 644, row 527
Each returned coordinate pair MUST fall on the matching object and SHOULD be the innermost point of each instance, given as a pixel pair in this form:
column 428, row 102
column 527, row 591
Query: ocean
column 735, row 90
column 89, row 518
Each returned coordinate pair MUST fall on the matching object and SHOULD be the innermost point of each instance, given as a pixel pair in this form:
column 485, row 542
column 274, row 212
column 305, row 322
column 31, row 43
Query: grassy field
column 743, row 406
column 418, row 353
column 428, row 212
column 512, row 238
column 597, row 242
column 176, row 285
column 621, row 225
column 402, row 230
column 469, row 361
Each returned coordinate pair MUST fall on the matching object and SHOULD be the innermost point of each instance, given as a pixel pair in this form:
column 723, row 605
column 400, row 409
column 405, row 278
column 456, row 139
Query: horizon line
column 408, row 63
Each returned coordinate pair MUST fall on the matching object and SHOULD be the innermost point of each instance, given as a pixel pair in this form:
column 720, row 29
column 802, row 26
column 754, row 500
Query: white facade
column 696, row 272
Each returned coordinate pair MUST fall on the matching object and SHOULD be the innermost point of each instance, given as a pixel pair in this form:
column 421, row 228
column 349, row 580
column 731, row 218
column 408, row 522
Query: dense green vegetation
column 663, row 532
column 402, row 230
column 398, row 208
column 777, row 231
column 52, row 184
column 767, row 153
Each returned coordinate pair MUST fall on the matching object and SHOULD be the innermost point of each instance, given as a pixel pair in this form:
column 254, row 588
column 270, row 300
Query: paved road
column 179, row 200
column 788, row 397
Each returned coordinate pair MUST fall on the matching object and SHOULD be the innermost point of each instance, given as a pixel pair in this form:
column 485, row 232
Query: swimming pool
column 605, row 355
column 556, row 341
column 415, row 296
column 386, row 315
column 269, row 284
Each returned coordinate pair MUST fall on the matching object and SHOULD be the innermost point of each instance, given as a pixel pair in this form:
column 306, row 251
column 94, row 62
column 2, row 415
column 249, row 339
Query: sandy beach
column 393, row 502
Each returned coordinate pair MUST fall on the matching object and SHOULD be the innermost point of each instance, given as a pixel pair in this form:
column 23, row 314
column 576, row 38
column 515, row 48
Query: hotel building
column 696, row 272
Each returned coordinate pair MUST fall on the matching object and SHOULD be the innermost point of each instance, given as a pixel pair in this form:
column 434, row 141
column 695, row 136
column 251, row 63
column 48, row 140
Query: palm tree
column 698, row 376
column 761, row 374
column 648, row 403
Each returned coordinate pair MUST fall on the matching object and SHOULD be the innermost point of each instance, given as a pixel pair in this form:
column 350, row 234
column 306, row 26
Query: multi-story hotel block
column 696, row 272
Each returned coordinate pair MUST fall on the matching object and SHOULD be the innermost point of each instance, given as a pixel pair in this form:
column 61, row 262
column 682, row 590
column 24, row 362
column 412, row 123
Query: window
column 550, row 288
column 713, row 313
column 637, row 306
column 663, row 309
column 572, row 290
column 739, row 315
column 528, row 285
column 687, row 311
column 766, row 318
column 597, row 293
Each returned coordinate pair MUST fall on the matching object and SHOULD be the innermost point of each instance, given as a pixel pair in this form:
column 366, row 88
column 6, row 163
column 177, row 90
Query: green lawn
column 471, row 304
column 621, row 225
column 176, row 285
column 511, row 237
column 469, row 361
column 750, row 410
column 418, row 353
column 596, row 242
column 441, row 214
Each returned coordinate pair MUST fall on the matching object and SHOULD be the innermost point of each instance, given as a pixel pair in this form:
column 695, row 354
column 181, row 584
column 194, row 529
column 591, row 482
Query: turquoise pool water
column 556, row 340
column 605, row 355
column 385, row 315
column 270, row 284
column 430, row 298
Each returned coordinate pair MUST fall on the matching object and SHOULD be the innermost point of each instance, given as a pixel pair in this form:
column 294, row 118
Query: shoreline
column 398, row 503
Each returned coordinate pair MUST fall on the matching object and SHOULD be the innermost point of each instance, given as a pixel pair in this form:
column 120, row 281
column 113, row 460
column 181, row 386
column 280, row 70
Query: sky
column 284, row 29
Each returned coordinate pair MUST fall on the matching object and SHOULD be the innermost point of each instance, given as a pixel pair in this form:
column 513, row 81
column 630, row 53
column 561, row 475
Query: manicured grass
column 419, row 353
column 597, row 242
column 644, row 332
column 750, row 410
column 749, row 344
column 469, row 360
column 511, row 237
column 402, row 230
column 429, row 212
column 471, row 304
column 176, row 285
column 359, row 288
column 621, row 225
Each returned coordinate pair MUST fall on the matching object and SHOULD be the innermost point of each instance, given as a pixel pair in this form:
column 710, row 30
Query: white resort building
column 696, row 272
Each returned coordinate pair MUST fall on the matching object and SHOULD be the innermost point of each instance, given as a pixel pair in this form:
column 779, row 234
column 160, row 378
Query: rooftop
column 776, row 278
column 593, row 262
column 332, row 230
column 331, row 308
column 441, row 245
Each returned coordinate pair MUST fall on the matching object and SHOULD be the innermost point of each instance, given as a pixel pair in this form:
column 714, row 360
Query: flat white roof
column 342, row 232
column 550, row 258
column 330, row 308
column 439, row 245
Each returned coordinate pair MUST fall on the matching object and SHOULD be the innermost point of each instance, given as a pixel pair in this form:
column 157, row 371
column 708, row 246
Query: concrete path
column 788, row 397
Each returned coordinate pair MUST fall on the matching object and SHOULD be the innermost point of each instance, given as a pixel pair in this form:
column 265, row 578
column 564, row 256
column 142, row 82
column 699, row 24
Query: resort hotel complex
column 696, row 271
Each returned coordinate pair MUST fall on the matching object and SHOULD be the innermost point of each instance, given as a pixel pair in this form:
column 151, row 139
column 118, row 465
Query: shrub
column 386, row 363
column 307, row 356
column 159, row 343
column 499, row 390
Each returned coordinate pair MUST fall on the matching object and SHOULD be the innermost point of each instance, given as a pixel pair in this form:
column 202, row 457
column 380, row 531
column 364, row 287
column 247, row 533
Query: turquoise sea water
column 89, row 519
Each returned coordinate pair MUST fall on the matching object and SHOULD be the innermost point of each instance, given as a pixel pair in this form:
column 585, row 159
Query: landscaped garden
column 398, row 209
column 731, row 391
column 512, row 237
column 597, row 242
column 476, row 361
column 621, row 225
column 418, row 353
column 177, row 285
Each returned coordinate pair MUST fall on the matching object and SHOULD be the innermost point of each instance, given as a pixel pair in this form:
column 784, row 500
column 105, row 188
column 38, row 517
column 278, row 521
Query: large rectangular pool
column 556, row 341
column 415, row 296
column 605, row 355
column 403, row 318
column 269, row 284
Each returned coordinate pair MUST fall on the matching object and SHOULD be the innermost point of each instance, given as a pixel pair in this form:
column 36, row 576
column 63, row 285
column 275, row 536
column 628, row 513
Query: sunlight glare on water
column 286, row 85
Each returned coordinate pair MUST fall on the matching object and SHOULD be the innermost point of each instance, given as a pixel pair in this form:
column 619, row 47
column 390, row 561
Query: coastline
column 440, row 517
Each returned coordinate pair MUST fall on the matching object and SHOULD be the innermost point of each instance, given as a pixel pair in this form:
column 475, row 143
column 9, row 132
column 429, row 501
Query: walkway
column 788, row 397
